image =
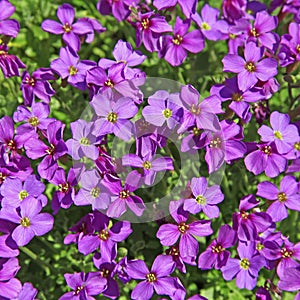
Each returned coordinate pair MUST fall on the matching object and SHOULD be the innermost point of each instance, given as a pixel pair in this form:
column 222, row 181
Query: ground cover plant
column 149, row 149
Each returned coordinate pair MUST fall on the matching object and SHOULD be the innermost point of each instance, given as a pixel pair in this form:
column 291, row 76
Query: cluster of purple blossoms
column 242, row 248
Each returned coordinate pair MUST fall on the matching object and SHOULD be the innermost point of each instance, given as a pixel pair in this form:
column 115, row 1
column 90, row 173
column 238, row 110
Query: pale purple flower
column 9, row 27
column 204, row 198
column 113, row 117
column 29, row 219
column 188, row 6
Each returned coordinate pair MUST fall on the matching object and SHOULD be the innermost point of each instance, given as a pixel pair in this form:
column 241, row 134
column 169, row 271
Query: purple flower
column 122, row 195
column 8, row 247
column 97, row 27
column 119, row 9
column 244, row 269
column 203, row 113
column 14, row 191
column 283, row 134
column 149, row 165
column 84, row 286
column 157, row 279
column 240, row 99
column 28, row 292
column 31, row 221
column 285, row 197
column 149, row 28
column 36, row 118
column 251, row 69
column 215, row 255
column 205, row 198
column 9, row 63
column 249, row 225
column 35, row 148
column 84, row 141
column 106, row 240
column 163, row 108
column 37, row 85
column 92, row 191
column 176, row 48
column 208, row 23
column 68, row 66
column 267, row 159
column 10, row 287
column 113, row 116
column 234, row 9
column 8, row 27
column 188, row 6
column 224, row 145
column 64, row 196
column 67, row 27
column 168, row 234
column 290, row 281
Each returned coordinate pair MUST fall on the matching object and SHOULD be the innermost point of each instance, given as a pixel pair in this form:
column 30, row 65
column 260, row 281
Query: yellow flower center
column 25, row 222
column 245, row 264
column 177, row 40
column 11, row 145
column 237, row 97
column 250, row 67
column 217, row 249
column 282, row 197
column 30, row 81
column 201, row 200
column 124, row 194
column 174, row 251
column 285, row 253
column 182, row 227
column 195, row 110
column 259, row 246
column 103, row 235
column 253, row 32
column 196, row 131
column 205, row 26
column 104, row 273
column 298, row 48
column 145, row 23
column 64, row 187
column 67, row 28
column 244, row 215
column 167, row 113
column 109, row 83
column 232, row 36
column 151, row 277
column 34, row 121
column 297, row 146
column 267, row 150
column 4, row 53
column 85, row 141
column 78, row 290
column 215, row 143
column 112, row 117
column 50, row 150
column 147, row 165
column 95, row 192
column 278, row 134
column 23, row 194
column 73, row 71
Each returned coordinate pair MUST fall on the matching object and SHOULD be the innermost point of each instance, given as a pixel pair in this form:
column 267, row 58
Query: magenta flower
column 175, row 49
column 285, row 197
column 29, row 219
column 251, row 69
column 168, row 234
column 205, row 198
column 149, row 28
column 249, row 225
column 114, row 116
column 37, row 85
column 9, row 63
column 67, row 27
column 246, row 268
column 68, row 66
column 283, row 134
column 157, row 279
column 215, row 255
column 122, row 195
column 84, row 286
